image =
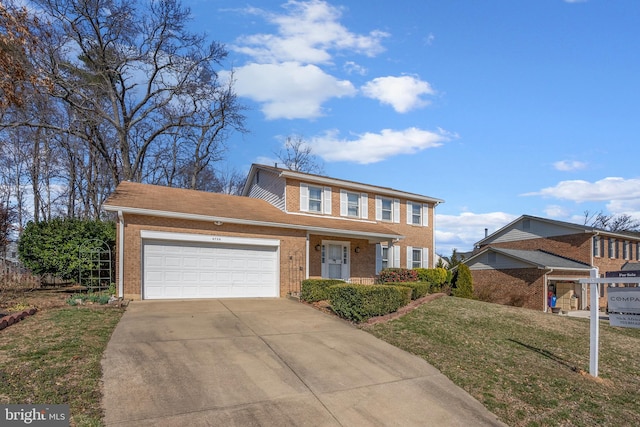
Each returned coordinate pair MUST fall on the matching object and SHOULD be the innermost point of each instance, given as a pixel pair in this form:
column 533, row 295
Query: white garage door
column 176, row 269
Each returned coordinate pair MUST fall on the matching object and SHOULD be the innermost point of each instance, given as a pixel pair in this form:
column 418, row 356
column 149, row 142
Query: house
column 524, row 261
column 285, row 227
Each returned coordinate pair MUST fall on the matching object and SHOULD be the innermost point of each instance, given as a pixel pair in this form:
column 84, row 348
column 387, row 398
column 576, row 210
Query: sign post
column 595, row 281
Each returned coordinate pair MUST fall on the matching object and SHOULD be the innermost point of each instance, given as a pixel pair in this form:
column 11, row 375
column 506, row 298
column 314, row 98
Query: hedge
column 393, row 275
column 437, row 276
column 360, row 302
column 312, row 290
column 419, row 289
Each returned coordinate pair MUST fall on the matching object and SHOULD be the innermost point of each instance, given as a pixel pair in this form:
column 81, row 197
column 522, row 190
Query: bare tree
column 131, row 75
column 297, row 155
column 615, row 223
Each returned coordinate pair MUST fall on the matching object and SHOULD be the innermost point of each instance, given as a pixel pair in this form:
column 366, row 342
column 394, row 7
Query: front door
column 335, row 260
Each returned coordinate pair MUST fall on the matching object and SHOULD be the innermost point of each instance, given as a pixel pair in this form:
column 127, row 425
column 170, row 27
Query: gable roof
column 564, row 224
column 168, row 202
column 537, row 258
column 324, row 180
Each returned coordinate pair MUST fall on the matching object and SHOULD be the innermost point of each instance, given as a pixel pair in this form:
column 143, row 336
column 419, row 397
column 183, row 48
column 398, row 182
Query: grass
column 527, row 367
column 54, row 358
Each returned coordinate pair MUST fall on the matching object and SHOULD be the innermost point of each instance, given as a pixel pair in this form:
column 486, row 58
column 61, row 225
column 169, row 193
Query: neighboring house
column 287, row 226
column 525, row 260
column 9, row 255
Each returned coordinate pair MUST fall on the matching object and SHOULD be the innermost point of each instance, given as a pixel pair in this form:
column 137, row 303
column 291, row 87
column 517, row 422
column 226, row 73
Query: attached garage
column 177, row 265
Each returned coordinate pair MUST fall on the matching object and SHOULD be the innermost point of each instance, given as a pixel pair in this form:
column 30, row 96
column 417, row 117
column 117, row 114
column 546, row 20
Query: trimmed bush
column 360, row 302
column 463, row 286
column 313, row 290
column 418, row 289
column 394, row 275
column 437, row 276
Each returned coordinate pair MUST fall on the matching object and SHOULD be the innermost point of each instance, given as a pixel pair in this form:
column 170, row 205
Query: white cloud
column 374, row 147
column 306, row 33
column 556, row 211
column 463, row 231
column 610, row 188
column 289, row 90
column 402, row 93
column 569, row 165
column 352, row 68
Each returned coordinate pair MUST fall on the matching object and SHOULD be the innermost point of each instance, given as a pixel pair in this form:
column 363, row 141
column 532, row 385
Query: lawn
column 54, row 358
column 527, row 367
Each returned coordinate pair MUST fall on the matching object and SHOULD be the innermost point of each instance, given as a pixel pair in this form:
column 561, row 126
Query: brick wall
column 517, row 287
column 573, row 246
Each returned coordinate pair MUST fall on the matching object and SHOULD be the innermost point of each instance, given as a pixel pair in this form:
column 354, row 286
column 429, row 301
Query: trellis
column 95, row 268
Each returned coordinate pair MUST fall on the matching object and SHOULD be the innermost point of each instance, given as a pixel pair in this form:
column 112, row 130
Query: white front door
column 335, row 260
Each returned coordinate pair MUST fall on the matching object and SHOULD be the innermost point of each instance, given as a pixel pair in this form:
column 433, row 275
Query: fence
column 15, row 277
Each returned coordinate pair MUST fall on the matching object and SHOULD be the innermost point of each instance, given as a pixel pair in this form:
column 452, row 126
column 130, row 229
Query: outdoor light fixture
column 217, row 223
column 318, row 247
column 357, row 249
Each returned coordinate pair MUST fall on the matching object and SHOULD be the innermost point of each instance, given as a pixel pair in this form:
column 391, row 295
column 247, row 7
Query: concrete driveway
column 268, row 362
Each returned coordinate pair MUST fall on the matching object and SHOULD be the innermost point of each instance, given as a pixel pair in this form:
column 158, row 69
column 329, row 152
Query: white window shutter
column 425, row 215
column 378, row 258
column 304, row 197
column 409, row 212
column 396, row 256
column 425, row 257
column 327, row 200
column 343, row 203
column 378, row 208
column 409, row 256
column 396, row 211
column 364, row 206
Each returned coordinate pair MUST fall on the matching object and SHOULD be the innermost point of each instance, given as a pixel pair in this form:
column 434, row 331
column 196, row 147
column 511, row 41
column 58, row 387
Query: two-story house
column 531, row 258
column 285, row 227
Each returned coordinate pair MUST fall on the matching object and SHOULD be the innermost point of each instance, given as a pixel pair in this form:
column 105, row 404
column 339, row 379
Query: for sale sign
column 624, row 307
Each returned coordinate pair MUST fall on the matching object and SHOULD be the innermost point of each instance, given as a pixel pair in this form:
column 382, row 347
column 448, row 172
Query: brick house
column 285, row 227
column 525, row 260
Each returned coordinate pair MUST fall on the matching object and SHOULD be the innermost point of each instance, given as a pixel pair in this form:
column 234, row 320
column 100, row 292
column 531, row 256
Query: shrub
column 437, row 276
column 360, row 302
column 398, row 275
column 96, row 298
column 313, row 290
column 463, row 282
column 418, row 289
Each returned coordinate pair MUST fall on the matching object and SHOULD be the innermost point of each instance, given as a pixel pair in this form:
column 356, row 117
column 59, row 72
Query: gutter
column 121, row 254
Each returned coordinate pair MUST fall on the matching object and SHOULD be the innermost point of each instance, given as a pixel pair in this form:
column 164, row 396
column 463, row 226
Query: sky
column 499, row 107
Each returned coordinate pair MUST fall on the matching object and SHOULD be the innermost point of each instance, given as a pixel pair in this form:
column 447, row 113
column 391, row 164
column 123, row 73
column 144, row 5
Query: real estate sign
column 624, row 307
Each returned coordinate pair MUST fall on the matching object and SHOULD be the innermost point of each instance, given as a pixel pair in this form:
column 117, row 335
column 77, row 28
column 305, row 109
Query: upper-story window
column 417, row 214
column 353, row 204
column 597, row 246
column 315, row 199
column 625, row 249
column 387, row 209
column 613, row 248
column 638, row 251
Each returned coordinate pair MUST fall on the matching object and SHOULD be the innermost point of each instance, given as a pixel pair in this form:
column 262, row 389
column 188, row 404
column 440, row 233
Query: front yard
column 527, row 367
column 54, row 356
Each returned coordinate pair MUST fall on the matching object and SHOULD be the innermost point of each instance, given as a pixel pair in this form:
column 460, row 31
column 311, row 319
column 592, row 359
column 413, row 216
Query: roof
column 154, row 200
column 538, row 258
column 324, row 180
column 583, row 228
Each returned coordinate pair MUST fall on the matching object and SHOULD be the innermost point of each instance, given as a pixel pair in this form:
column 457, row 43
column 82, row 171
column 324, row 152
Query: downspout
column 120, row 254
column 433, row 244
column 546, row 289
column 306, row 274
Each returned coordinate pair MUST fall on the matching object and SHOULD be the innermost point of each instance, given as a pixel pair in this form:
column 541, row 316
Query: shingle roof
column 157, row 200
column 542, row 258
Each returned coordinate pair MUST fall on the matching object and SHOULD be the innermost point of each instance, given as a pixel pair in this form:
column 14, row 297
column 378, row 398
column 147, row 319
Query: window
column 625, row 249
column 596, row 246
column 387, row 209
column 353, row 204
column 385, row 256
column 417, row 257
column 416, row 260
column 613, row 248
column 638, row 251
column 315, row 199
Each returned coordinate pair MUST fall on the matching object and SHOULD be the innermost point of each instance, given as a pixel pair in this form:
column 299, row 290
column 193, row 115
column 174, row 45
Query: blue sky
column 499, row 107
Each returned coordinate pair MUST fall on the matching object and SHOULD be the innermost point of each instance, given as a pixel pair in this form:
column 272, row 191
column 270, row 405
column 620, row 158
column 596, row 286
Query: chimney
column 486, row 232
